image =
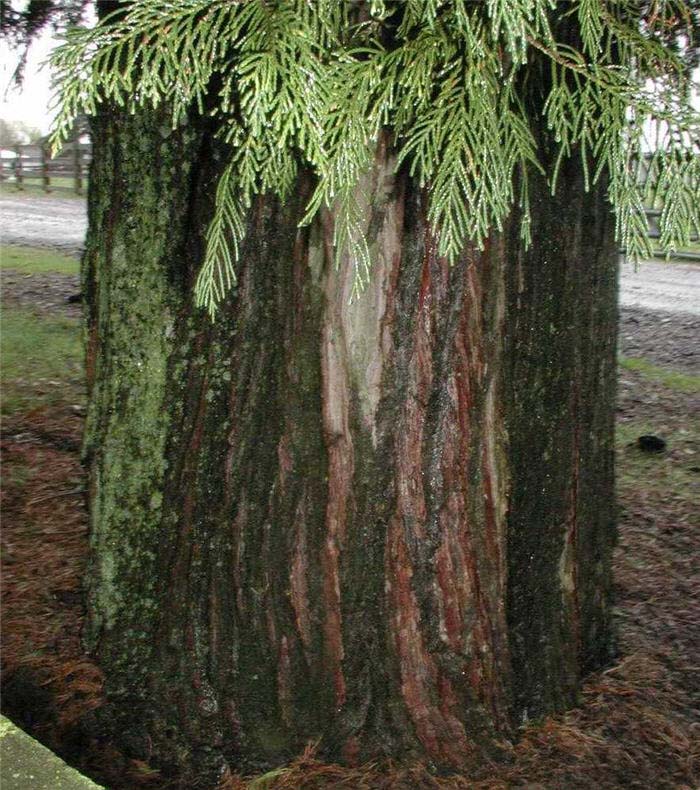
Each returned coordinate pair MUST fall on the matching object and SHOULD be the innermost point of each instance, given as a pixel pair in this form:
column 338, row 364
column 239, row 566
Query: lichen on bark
column 370, row 523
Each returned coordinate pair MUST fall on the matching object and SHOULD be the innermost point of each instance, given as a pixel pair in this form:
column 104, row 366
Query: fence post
column 45, row 175
column 78, row 168
column 18, row 167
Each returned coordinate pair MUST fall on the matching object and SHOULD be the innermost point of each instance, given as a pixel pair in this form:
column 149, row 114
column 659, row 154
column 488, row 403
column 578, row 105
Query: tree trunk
column 386, row 525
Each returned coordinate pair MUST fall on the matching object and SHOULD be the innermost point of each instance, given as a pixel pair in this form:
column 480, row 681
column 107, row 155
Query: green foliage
column 457, row 85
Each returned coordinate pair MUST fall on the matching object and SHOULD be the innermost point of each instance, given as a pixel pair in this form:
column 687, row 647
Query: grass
column 61, row 187
column 662, row 473
column 681, row 382
column 692, row 247
column 41, row 360
column 55, row 182
column 34, row 261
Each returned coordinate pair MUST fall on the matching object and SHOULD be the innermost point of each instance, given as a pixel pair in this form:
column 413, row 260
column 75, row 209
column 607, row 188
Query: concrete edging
column 27, row 765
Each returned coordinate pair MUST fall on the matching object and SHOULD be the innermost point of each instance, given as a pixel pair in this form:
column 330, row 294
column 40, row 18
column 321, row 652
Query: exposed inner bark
column 384, row 524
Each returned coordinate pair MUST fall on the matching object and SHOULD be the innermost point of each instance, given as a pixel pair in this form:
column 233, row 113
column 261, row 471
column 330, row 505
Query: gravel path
column 660, row 286
column 43, row 221
column 671, row 340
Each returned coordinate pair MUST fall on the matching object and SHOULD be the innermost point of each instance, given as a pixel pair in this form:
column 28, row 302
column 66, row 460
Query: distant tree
column 385, row 523
column 19, row 26
column 18, row 133
column 8, row 135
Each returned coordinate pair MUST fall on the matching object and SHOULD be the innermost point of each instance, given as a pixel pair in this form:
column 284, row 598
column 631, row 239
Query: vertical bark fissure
column 559, row 418
column 335, row 401
column 445, row 623
column 358, row 512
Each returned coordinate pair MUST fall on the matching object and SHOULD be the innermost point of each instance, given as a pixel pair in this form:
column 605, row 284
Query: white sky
column 30, row 103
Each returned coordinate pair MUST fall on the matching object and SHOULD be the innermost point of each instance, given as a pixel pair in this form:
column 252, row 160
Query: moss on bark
column 370, row 523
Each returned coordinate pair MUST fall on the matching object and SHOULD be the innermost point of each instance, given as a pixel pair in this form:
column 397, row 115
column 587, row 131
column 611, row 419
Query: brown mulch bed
column 47, row 292
column 638, row 725
column 48, row 685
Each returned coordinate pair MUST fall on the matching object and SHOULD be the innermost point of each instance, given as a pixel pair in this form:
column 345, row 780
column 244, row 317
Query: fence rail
column 24, row 166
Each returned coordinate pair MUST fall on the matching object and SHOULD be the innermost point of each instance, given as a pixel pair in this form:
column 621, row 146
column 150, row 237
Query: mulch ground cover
column 638, row 724
column 45, row 293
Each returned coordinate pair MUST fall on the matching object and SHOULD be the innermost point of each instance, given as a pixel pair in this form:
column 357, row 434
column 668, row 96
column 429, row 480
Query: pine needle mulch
column 48, row 684
column 638, row 725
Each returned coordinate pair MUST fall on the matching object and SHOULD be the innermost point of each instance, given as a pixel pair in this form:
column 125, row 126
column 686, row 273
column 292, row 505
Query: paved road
column 61, row 223
column 664, row 287
column 43, row 221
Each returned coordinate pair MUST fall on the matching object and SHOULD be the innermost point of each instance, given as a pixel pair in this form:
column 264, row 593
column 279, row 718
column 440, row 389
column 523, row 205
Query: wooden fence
column 33, row 166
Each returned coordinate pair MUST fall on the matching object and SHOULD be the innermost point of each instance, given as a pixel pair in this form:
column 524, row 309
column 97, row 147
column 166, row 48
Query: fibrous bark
column 385, row 523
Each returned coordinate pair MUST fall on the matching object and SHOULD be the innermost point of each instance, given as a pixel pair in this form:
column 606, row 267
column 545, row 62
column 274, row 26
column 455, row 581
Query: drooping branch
column 316, row 84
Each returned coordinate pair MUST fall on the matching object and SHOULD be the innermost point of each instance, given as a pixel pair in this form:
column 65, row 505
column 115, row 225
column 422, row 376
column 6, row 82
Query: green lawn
column 683, row 382
column 41, row 360
column 41, row 357
column 62, row 186
column 36, row 261
column 662, row 474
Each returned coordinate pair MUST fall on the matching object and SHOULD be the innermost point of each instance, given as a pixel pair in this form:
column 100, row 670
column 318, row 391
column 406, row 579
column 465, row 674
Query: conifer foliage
column 313, row 83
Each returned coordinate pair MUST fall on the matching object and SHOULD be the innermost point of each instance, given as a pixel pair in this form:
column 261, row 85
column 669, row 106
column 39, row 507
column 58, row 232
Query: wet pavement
column 43, row 221
column 671, row 287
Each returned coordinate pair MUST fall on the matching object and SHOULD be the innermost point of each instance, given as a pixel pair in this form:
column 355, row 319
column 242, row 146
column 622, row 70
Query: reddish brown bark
column 369, row 523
